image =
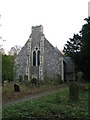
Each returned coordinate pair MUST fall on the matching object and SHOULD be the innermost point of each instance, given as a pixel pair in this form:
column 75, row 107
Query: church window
column 38, row 58
column 34, row 58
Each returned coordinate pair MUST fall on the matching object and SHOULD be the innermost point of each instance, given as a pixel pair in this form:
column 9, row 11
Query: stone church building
column 38, row 59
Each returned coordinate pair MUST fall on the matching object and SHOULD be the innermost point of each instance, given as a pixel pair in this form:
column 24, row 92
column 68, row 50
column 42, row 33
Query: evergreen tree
column 85, row 51
column 78, row 48
column 72, row 49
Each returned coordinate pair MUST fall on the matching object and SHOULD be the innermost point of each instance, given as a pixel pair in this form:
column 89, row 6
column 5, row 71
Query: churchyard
column 26, row 89
column 53, row 106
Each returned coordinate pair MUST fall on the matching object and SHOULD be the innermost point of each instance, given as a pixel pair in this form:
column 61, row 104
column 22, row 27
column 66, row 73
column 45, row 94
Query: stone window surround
column 34, row 58
column 36, row 50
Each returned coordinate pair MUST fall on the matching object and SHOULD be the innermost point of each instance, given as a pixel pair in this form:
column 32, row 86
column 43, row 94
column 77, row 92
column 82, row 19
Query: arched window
column 38, row 58
column 34, row 58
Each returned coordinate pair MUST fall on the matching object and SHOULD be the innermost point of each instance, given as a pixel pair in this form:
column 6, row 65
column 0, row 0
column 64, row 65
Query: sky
column 60, row 20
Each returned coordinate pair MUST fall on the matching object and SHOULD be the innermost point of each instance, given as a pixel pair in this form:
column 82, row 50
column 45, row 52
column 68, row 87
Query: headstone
column 80, row 77
column 73, row 91
column 80, row 80
column 16, row 87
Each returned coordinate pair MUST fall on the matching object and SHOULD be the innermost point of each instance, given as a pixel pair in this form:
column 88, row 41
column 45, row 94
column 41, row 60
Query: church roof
column 69, row 64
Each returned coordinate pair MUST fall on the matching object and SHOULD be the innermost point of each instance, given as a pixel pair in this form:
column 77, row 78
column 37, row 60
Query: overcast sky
column 60, row 20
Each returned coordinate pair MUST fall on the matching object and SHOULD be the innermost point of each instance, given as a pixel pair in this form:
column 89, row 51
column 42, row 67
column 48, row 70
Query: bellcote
column 36, row 30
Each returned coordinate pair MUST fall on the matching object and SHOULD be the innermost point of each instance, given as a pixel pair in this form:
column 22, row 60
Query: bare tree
column 15, row 50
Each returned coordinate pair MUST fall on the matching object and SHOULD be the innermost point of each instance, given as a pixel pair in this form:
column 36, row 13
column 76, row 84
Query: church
column 39, row 59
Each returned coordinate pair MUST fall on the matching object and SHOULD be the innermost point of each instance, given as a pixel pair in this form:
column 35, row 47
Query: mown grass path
column 36, row 95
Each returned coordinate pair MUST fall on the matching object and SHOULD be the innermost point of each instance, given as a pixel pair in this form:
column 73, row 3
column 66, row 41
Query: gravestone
column 80, row 78
column 16, row 87
column 73, row 91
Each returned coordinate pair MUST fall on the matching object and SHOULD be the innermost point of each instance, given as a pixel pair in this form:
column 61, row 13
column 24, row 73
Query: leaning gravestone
column 80, row 77
column 81, row 80
column 73, row 91
column 16, row 87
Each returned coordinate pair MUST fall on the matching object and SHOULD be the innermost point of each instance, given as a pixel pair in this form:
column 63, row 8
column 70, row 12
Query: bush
column 34, row 81
column 46, row 80
column 74, row 91
column 58, row 80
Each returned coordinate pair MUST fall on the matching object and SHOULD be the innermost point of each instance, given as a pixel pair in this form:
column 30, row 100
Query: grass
column 8, row 93
column 54, row 106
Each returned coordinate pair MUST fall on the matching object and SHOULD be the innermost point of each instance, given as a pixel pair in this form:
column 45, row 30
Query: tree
column 85, row 51
column 8, row 61
column 12, row 51
column 7, row 68
column 72, row 49
column 78, row 48
column 2, row 51
column 15, row 50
